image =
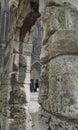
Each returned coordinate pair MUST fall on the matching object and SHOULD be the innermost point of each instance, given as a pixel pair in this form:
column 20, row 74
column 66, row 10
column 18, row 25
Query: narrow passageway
column 34, row 106
column 34, row 110
column 39, row 50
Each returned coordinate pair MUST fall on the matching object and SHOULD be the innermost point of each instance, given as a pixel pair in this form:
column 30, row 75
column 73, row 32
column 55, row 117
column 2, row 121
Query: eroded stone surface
column 58, row 91
column 58, row 95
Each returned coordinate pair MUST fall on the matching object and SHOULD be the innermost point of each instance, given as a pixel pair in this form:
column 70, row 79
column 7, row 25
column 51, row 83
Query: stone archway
column 16, row 78
column 35, row 78
column 59, row 56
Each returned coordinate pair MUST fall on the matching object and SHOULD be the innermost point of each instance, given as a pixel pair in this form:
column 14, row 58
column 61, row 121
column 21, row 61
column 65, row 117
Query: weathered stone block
column 63, row 42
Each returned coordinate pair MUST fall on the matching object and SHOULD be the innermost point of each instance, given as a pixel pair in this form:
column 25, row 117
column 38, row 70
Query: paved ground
column 34, row 108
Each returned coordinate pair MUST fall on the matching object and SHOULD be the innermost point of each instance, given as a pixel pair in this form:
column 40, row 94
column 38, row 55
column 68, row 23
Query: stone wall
column 20, row 80
column 59, row 55
column 58, row 95
column 36, row 50
column 14, row 87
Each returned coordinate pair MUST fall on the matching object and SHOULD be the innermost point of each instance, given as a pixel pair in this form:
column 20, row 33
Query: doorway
column 34, row 85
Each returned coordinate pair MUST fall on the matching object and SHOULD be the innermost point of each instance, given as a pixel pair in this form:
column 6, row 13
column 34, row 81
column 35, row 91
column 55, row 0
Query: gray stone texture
column 58, row 91
column 18, row 98
column 58, row 94
column 14, row 111
column 36, row 48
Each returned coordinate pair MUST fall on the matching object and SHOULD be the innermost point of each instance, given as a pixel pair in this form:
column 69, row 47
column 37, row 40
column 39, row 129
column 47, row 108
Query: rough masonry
column 14, row 104
column 59, row 56
column 58, row 94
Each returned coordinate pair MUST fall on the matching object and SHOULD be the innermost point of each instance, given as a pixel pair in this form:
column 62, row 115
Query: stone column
column 5, row 86
column 20, row 82
column 60, row 53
